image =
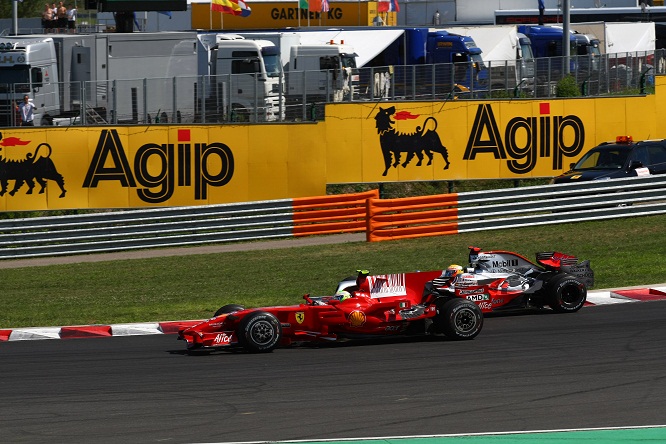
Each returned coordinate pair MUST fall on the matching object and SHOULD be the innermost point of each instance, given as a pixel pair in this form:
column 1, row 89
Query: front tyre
column 259, row 332
column 458, row 319
column 229, row 308
column 566, row 294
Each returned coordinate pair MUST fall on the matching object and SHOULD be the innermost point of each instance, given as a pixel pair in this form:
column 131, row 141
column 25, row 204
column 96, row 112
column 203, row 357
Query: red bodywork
column 326, row 318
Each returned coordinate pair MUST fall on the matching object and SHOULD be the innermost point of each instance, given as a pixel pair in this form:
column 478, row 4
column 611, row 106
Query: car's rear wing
column 554, row 260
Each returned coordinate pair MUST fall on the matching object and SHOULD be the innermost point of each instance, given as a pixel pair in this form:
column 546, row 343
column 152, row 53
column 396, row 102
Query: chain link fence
column 252, row 97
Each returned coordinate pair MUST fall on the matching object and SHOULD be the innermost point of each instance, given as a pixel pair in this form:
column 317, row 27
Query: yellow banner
column 273, row 15
column 458, row 140
column 139, row 166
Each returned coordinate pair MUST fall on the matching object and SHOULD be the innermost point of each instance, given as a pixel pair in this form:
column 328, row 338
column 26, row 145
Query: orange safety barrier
column 334, row 214
column 412, row 217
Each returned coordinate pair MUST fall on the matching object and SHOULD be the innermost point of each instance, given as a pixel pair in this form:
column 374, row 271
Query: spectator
column 47, row 18
column 71, row 19
column 54, row 16
column 542, row 9
column 26, row 109
column 62, row 17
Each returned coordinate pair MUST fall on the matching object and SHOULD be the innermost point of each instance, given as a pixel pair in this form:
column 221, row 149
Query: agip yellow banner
column 170, row 165
column 459, row 140
column 139, row 166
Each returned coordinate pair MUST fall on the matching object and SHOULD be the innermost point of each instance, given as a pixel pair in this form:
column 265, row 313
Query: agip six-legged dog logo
column 37, row 166
column 424, row 140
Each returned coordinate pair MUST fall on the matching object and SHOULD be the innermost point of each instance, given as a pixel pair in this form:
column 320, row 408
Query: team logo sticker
column 356, row 318
column 300, row 316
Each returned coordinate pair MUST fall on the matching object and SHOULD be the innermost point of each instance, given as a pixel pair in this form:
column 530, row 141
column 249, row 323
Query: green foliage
column 567, row 87
column 195, row 286
column 25, row 9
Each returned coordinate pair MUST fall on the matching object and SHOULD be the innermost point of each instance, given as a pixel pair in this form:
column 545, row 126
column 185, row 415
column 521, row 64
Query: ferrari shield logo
column 300, row 316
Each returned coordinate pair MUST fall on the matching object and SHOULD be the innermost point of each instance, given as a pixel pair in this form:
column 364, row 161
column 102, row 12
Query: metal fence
column 215, row 99
column 214, row 224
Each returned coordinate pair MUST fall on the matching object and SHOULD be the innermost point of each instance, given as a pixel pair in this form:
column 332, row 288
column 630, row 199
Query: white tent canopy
column 367, row 44
column 497, row 43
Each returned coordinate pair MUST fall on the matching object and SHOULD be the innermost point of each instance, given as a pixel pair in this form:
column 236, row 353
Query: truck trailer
column 77, row 78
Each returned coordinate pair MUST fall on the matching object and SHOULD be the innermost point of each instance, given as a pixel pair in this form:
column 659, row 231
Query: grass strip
column 623, row 252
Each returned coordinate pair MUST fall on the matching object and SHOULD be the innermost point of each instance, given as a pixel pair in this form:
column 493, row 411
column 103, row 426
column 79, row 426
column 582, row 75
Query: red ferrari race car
column 400, row 309
column 497, row 281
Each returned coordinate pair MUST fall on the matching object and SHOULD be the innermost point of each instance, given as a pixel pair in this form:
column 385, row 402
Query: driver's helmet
column 452, row 271
column 342, row 295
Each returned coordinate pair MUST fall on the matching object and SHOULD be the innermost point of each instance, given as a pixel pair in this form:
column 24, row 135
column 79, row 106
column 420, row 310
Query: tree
column 26, row 8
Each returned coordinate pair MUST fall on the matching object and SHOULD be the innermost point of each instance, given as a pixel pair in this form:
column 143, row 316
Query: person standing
column 71, row 19
column 61, row 17
column 542, row 9
column 47, row 17
column 26, row 109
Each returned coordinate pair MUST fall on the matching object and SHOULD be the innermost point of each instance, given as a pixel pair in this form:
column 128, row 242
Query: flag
column 234, row 7
column 167, row 13
column 314, row 5
column 388, row 6
column 303, row 4
column 324, row 5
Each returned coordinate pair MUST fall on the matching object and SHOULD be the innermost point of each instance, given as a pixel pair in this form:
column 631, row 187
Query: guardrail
column 381, row 219
column 182, row 226
column 515, row 207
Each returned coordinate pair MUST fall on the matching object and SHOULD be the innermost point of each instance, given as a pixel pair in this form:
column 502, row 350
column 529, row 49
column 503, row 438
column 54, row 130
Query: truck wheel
column 259, row 332
column 458, row 319
column 565, row 293
column 229, row 308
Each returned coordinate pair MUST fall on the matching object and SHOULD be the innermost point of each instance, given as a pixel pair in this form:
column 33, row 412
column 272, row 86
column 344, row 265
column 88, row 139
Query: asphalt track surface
column 600, row 367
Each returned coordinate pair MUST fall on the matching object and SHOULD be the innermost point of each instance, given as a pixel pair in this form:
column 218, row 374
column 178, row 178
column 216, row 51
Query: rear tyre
column 259, row 332
column 458, row 319
column 229, row 308
column 565, row 294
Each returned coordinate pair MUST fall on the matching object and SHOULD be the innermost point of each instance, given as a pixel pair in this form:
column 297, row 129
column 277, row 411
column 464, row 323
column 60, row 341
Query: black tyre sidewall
column 256, row 323
column 449, row 313
column 557, row 288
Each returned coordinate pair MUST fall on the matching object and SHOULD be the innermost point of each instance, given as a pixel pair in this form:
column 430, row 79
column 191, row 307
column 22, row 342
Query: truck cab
column 322, row 72
column 28, row 66
column 547, row 43
column 247, row 80
column 469, row 71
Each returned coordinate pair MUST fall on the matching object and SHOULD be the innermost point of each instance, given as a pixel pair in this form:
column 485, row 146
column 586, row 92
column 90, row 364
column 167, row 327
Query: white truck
column 75, row 79
column 623, row 38
column 243, row 78
column 288, row 75
column 322, row 73
column 329, row 64
column 506, row 53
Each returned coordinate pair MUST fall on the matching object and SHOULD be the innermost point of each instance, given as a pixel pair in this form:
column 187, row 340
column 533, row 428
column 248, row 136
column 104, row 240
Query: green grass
column 623, row 252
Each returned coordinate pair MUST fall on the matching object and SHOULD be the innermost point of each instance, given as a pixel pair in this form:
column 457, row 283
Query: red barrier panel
column 333, row 214
column 412, row 217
